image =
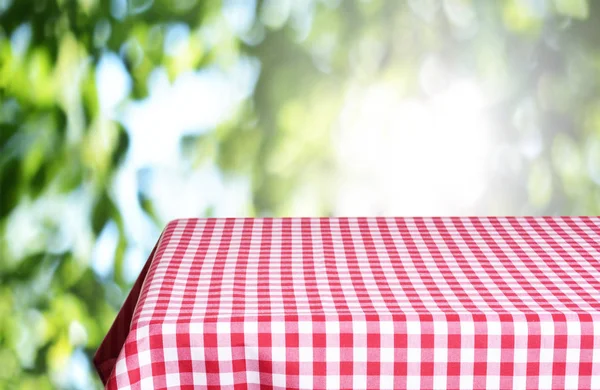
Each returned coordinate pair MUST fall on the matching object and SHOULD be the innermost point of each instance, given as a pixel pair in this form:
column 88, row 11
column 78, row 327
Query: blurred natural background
column 117, row 116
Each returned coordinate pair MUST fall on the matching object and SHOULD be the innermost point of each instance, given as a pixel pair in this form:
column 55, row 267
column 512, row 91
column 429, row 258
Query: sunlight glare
column 414, row 156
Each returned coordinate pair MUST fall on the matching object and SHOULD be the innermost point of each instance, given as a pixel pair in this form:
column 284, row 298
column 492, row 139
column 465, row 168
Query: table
column 327, row 303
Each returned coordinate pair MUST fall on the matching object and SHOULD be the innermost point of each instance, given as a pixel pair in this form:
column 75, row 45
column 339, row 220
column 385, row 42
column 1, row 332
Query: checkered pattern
column 329, row 303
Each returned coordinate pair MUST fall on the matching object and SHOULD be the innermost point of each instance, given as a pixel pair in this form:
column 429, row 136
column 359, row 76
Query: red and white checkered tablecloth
column 355, row 303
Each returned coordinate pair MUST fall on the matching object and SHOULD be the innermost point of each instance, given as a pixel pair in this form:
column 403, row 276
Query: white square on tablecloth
column 332, row 354
column 252, row 377
column 520, row 355
column 147, row 383
column 224, row 354
column 467, row 355
column 305, row 327
column 545, row 382
column 386, row 327
column 199, row 379
column 573, row 328
column 413, row 327
column 197, row 353
column 251, row 352
column 306, row 382
column 439, row 382
column 386, row 382
column 573, row 355
column 121, row 367
column 413, row 355
column 492, row 382
column 278, row 354
column 359, row 327
column 546, row 328
column 520, row 328
column 494, row 328
column 546, row 355
column 493, row 355
column 440, row 355
column 170, row 354
column 413, row 382
column 360, row 354
column 359, row 382
column 196, row 328
column 519, row 382
column 172, row 380
column 305, row 354
column 279, row 380
column 466, row 381
column 144, row 358
column 169, row 329
column 226, row 379
column 332, row 327
column 223, row 327
column 440, row 327
column 387, row 355
column 571, row 381
column 250, row 327
column 332, row 382
column 467, row 327
column 142, row 332
column 278, row 327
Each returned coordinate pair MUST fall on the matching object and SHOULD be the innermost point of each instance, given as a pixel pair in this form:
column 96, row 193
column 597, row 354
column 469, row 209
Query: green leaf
column 101, row 213
column 121, row 147
column 10, row 173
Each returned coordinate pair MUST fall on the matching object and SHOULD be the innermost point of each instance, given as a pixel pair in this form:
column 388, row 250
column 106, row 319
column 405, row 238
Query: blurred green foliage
column 538, row 60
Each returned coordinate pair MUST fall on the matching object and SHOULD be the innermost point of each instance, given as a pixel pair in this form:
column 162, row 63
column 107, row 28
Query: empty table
column 355, row 303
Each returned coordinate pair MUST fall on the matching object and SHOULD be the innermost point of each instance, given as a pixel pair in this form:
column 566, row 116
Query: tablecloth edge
column 110, row 347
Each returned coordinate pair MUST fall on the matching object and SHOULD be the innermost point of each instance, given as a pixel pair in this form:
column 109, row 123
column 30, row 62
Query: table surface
column 457, row 302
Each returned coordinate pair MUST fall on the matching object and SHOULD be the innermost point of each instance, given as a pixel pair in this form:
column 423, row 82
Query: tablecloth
column 328, row 303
